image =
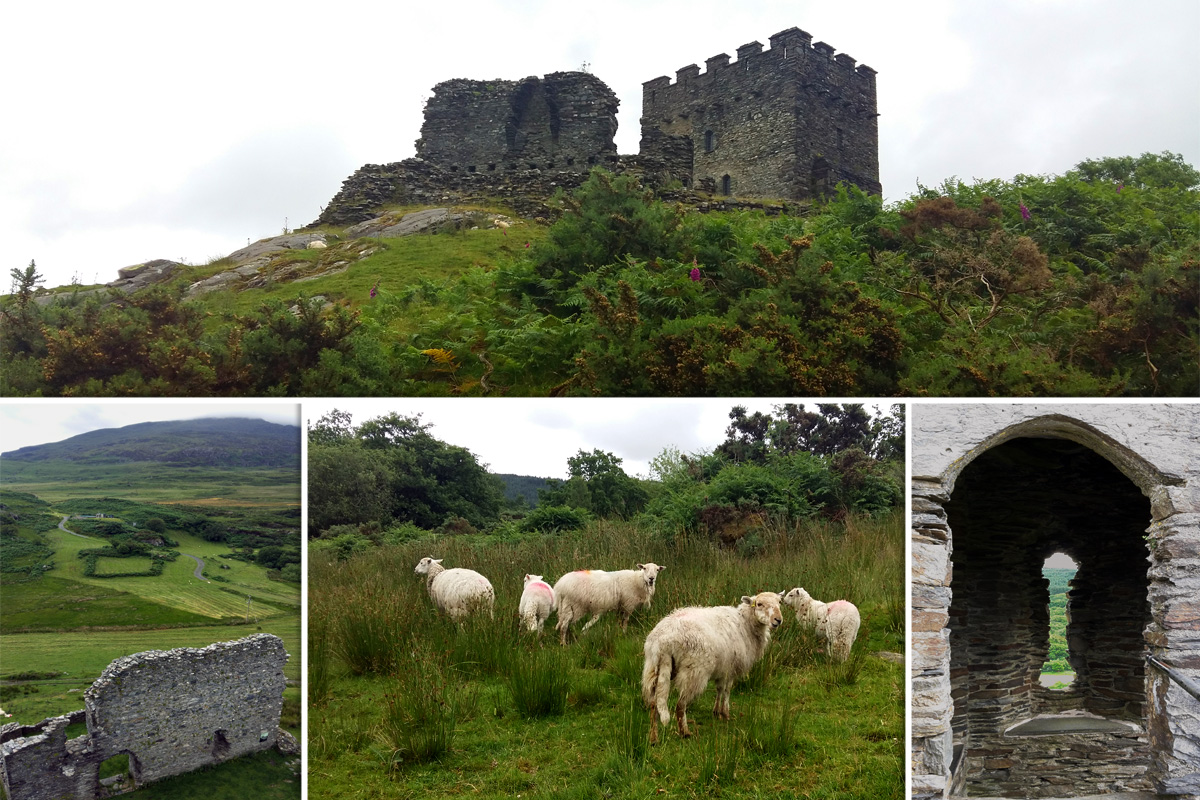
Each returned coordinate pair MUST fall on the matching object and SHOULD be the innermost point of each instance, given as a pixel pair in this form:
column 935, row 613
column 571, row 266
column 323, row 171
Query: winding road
column 63, row 527
column 199, row 566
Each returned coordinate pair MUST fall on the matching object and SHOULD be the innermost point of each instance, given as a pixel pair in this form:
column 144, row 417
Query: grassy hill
column 618, row 291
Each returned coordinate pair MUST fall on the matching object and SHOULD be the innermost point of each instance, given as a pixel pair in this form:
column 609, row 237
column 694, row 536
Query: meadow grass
column 802, row 725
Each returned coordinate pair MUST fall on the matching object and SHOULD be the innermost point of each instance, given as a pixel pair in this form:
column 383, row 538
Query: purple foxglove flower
column 694, row 274
column 1025, row 215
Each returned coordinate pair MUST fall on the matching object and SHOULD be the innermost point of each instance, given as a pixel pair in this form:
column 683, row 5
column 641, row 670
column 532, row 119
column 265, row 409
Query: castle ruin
column 786, row 123
column 996, row 489
column 170, row 712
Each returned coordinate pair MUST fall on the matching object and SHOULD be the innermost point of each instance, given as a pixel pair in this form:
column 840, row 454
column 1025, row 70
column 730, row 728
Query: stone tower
column 788, row 122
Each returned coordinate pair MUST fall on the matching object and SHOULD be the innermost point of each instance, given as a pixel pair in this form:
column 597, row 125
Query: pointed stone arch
column 1153, row 447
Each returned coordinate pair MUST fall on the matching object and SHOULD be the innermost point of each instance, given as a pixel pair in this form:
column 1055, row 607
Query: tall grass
column 539, row 681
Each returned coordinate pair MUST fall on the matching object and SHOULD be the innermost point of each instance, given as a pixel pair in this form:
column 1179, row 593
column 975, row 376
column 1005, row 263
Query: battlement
column 789, row 49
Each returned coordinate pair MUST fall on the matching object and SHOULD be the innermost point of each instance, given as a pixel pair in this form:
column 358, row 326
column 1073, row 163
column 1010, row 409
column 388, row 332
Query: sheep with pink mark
column 537, row 601
column 694, row 645
column 595, row 592
column 457, row 591
column 836, row 623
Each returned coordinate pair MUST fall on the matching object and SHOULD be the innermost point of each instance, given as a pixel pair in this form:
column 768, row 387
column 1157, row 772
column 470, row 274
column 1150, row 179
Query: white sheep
column 693, row 645
column 537, row 601
column 594, row 591
column 836, row 623
column 456, row 591
column 317, row 244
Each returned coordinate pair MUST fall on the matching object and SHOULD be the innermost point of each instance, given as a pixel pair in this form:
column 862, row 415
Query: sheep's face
column 766, row 608
column 798, row 599
column 425, row 563
column 650, row 572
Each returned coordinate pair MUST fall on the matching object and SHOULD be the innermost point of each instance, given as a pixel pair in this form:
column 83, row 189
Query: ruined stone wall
column 783, row 122
column 171, row 711
column 565, row 121
column 1122, row 609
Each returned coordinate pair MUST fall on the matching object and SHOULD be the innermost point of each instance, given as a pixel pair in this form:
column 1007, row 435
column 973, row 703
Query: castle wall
column 979, row 533
column 564, row 121
column 788, row 121
column 171, row 711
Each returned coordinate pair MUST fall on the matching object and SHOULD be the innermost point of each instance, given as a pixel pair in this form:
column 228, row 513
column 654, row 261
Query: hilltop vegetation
column 1084, row 284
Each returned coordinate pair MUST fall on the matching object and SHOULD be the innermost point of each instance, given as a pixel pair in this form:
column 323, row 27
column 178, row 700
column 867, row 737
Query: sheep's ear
column 527, row 577
column 641, row 566
column 746, row 600
column 661, row 567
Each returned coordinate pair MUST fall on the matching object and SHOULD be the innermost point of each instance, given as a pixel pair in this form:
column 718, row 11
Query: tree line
column 389, row 480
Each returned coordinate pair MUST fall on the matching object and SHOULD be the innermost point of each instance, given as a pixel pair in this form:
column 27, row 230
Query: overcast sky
column 140, row 130
column 537, row 436
column 26, row 423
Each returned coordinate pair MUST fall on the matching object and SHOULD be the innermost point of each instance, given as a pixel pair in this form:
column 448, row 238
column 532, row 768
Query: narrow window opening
column 471, row 168
column 1057, row 671
column 491, row 167
column 220, row 745
column 725, row 184
column 708, row 141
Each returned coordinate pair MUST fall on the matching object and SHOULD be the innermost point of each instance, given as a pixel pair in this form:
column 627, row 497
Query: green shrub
column 552, row 519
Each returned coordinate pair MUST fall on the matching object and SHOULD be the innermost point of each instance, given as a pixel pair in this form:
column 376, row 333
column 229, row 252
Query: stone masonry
column 995, row 490
column 786, row 123
column 170, row 711
column 790, row 121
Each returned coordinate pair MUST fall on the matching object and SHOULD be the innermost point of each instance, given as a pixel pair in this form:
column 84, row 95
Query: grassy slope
column 400, row 263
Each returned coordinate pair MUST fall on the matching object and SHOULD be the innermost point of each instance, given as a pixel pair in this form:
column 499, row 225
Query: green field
column 177, row 587
column 55, row 481
column 407, row 704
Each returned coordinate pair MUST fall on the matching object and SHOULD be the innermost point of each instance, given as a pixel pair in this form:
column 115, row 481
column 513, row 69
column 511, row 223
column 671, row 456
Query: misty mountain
column 214, row 442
